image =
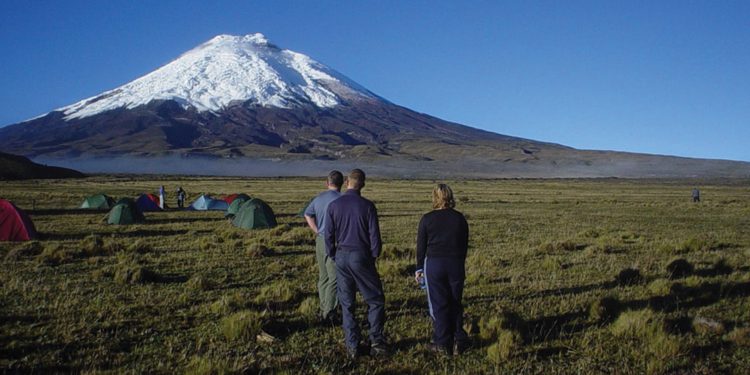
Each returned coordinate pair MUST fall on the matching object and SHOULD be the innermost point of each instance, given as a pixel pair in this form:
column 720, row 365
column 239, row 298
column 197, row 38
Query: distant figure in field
column 162, row 196
column 442, row 243
column 180, row 197
column 352, row 237
column 696, row 195
column 315, row 215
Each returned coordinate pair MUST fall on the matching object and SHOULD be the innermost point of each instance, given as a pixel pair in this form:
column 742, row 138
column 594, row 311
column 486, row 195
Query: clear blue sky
column 664, row 77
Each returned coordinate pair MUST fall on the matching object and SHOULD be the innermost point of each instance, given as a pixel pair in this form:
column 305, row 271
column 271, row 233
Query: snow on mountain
column 227, row 70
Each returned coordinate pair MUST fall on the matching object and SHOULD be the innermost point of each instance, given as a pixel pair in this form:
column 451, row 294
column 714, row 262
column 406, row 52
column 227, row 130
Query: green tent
column 254, row 214
column 235, row 205
column 98, row 202
column 125, row 212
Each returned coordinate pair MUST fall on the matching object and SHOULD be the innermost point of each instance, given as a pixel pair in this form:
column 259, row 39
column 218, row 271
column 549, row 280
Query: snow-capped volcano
column 228, row 70
column 243, row 98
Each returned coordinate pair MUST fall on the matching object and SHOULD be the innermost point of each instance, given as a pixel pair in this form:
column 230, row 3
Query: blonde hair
column 442, row 197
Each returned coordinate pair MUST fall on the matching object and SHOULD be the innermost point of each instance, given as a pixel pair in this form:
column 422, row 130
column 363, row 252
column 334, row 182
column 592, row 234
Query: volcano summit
column 244, row 98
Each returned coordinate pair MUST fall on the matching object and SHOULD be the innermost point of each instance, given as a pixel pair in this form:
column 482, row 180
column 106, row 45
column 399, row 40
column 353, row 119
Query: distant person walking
column 315, row 215
column 696, row 195
column 352, row 238
column 180, row 197
column 442, row 244
column 162, row 196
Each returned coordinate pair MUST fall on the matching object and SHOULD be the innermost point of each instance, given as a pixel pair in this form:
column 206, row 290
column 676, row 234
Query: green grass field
column 563, row 276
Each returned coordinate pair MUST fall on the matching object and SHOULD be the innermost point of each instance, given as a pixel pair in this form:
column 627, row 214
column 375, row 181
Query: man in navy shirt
column 352, row 237
column 315, row 215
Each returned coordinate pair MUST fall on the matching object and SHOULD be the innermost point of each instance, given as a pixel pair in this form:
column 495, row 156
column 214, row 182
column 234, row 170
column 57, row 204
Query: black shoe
column 379, row 350
column 439, row 349
column 461, row 347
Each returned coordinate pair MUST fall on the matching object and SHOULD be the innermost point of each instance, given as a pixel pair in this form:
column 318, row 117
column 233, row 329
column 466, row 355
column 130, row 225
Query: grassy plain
column 564, row 276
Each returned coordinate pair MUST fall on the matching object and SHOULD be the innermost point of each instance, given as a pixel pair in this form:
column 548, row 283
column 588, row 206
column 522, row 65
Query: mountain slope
column 13, row 167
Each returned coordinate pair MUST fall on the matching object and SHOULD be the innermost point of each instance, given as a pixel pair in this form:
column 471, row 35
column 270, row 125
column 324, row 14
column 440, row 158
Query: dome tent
column 236, row 204
column 15, row 225
column 148, row 202
column 98, row 202
column 125, row 212
column 254, row 214
column 205, row 202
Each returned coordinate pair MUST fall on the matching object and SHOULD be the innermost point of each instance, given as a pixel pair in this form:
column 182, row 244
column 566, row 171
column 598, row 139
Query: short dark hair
column 356, row 178
column 336, row 178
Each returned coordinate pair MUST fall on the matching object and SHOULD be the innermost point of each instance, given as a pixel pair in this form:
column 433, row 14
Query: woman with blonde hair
column 442, row 243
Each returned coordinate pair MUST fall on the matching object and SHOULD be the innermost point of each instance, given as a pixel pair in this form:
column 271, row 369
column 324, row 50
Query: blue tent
column 205, row 202
column 147, row 202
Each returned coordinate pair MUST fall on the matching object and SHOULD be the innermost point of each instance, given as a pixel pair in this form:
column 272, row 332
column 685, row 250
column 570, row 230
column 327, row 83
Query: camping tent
column 125, row 212
column 254, row 214
column 231, row 197
column 15, row 225
column 205, row 202
column 148, row 202
column 98, row 202
column 235, row 205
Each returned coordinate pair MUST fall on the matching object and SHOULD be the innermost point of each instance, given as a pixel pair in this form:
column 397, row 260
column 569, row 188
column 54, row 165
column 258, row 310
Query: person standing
column 696, row 195
column 352, row 237
column 180, row 197
column 315, row 215
column 442, row 244
column 162, row 196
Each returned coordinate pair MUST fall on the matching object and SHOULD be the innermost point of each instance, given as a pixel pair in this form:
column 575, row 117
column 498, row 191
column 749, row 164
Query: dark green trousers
column 326, row 278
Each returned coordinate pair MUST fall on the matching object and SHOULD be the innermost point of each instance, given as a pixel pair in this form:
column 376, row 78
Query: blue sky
column 663, row 77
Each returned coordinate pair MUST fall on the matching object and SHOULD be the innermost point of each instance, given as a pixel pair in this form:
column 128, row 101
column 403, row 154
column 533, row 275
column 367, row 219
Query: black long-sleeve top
column 352, row 225
column 442, row 233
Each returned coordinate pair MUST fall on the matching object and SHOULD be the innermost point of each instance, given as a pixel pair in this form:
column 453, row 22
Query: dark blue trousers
column 355, row 270
column 445, row 288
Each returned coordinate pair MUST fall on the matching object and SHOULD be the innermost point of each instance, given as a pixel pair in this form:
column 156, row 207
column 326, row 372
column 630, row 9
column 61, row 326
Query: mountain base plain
column 563, row 276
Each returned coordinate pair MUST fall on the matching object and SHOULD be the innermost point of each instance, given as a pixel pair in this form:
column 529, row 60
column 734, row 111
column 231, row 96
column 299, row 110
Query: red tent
column 15, row 225
column 230, row 198
column 148, row 202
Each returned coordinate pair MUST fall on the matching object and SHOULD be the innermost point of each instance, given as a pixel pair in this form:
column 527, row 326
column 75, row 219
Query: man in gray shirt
column 315, row 215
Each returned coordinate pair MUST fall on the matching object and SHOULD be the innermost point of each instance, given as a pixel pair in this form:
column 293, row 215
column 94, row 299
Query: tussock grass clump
column 93, row 245
column 739, row 336
column 207, row 366
column 692, row 245
column 243, row 326
column 133, row 274
column 229, row 303
column 604, row 309
column 491, row 326
column 277, row 293
column 140, row 247
column 278, row 230
column 678, row 268
column 629, row 276
column 659, row 287
column 552, row 264
column 27, row 249
column 210, row 242
column 200, row 283
column 708, row 327
column 309, row 309
column 635, row 324
column 508, row 342
column 258, row 250
column 54, row 254
column 652, row 343
column 298, row 236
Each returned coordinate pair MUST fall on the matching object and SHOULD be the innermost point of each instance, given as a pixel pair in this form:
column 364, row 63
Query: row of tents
column 147, row 202
column 242, row 210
